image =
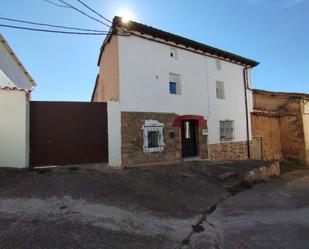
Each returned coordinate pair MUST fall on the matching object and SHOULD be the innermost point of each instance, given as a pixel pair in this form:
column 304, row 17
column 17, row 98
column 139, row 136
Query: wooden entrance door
column 257, row 148
column 188, row 135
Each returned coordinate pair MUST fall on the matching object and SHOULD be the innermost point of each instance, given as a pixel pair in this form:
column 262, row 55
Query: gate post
column 114, row 133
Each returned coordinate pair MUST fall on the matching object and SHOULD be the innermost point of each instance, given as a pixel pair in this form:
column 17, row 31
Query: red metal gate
column 63, row 133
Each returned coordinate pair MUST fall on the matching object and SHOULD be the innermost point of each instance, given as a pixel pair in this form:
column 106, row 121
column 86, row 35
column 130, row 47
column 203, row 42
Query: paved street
column 151, row 208
column 271, row 215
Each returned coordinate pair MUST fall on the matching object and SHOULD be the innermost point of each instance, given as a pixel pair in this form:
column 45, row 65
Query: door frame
column 194, row 123
column 260, row 139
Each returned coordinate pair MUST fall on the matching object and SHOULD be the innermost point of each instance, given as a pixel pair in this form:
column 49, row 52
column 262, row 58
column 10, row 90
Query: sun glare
column 126, row 16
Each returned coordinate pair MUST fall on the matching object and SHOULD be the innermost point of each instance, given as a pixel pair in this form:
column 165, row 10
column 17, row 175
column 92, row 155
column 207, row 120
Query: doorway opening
column 188, row 138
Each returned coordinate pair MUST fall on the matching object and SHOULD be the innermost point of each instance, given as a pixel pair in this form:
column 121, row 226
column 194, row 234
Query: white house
column 15, row 87
column 172, row 98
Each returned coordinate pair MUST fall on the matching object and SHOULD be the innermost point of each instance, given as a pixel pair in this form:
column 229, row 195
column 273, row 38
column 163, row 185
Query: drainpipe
column 247, row 111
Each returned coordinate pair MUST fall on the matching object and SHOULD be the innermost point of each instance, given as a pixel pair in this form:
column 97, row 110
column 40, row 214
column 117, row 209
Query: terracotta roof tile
column 10, row 88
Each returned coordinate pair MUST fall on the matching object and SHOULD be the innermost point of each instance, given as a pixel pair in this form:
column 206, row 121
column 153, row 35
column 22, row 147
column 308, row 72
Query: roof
column 13, row 88
column 143, row 29
column 11, row 52
column 284, row 94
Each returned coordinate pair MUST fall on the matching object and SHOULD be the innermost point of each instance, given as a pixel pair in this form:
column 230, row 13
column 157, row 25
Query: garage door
column 63, row 133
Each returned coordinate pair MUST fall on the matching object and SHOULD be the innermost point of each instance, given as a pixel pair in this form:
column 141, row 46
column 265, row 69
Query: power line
column 85, row 14
column 49, row 25
column 54, row 31
column 88, row 7
column 55, row 4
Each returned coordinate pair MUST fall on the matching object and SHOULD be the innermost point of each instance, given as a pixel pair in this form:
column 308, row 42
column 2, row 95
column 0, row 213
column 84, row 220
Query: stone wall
column 132, row 138
column 263, row 173
column 268, row 129
column 228, row 151
column 202, row 147
column 292, row 137
column 278, row 120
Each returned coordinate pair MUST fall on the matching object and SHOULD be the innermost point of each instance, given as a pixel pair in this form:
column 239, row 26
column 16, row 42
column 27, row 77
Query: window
column 153, row 136
column 153, row 139
column 218, row 64
column 226, row 131
column 173, row 88
column 173, row 53
column 220, row 89
column 174, row 83
column 187, row 130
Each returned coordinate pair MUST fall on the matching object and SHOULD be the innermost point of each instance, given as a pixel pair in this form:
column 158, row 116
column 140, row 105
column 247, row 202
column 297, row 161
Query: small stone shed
column 280, row 125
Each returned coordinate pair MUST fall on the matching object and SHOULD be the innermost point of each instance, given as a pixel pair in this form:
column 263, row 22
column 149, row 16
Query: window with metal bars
column 226, row 131
column 153, row 136
column 220, row 89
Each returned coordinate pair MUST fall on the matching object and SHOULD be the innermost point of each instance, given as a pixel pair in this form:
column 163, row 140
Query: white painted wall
column 11, row 69
column 144, row 68
column 14, row 129
column 114, row 133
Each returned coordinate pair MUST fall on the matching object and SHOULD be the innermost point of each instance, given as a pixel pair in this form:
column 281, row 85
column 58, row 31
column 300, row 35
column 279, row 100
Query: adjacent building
column 15, row 87
column 280, row 126
column 171, row 98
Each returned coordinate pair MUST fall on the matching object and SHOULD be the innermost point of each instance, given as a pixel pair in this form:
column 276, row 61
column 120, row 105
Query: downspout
column 247, row 111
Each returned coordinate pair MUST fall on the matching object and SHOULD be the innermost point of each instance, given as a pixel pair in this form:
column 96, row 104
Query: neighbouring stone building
column 172, row 98
column 280, row 125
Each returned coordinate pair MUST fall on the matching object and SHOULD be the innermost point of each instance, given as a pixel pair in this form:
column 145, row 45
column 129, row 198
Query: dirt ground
column 144, row 208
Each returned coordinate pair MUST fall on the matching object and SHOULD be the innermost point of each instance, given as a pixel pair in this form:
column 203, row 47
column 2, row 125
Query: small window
column 220, row 90
column 153, row 136
column 173, row 88
column 174, row 83
column 226, row 131
column 153, row 139
column 218, row 64
column 173, row 53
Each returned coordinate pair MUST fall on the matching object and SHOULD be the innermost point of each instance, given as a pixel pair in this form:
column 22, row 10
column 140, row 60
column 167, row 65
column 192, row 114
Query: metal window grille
column 220, row 90
column 154, row 141
column 226, row 131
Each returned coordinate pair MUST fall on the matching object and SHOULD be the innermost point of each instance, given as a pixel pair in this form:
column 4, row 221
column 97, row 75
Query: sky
column 273, row 32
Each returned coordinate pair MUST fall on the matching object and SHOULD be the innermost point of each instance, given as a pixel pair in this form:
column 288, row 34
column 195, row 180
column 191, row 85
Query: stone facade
column 202, row 146
column 280, row 121
column 132, row 142
column 263, row 173
column 132, row 138
column 228, row 151
column 268, row 129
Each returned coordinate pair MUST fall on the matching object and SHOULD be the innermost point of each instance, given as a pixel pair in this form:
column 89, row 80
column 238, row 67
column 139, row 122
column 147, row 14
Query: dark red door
column 63, row 133
column 188, row 135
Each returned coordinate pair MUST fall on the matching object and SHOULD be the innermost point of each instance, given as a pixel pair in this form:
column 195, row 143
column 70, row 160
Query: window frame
column 153, row 126
column 222, row 90
column 225, row 137
column 175, row 78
